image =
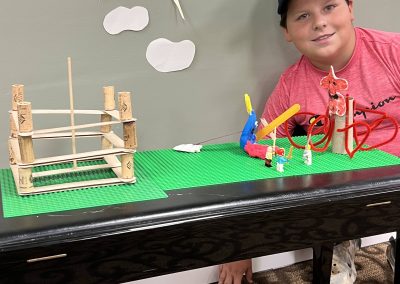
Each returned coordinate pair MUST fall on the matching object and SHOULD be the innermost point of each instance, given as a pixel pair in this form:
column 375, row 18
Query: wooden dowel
column 274, row 142
column 71, row 105
column 17, row 91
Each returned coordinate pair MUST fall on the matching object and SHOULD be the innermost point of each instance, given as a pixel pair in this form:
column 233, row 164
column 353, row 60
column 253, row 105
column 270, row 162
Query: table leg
column 322, row 263
column 397, row 258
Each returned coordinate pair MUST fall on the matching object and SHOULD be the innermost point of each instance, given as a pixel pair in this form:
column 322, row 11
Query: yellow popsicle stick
column 247, row 101
column 278, row 121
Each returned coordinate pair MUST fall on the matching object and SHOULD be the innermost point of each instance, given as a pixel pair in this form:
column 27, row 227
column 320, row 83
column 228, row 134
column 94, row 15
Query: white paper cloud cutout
column 167, row 56
column 123, row 19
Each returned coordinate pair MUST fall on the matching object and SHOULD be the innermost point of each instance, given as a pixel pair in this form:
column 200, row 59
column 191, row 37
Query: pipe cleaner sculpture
column 248, row 138
column 338, row 124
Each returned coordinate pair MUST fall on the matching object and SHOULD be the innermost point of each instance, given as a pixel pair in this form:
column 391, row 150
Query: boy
column 323, row 31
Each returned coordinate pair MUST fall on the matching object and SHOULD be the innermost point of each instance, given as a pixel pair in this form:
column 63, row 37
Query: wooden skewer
column 178, row 6
column 274, row 142
column 71, row 105
column 290, row 154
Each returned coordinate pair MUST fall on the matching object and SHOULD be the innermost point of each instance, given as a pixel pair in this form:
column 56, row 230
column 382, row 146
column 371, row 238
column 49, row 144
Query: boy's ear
column 286, row 34
column 351, row 9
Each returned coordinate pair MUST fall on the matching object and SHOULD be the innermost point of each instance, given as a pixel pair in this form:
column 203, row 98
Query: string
column 219, row 137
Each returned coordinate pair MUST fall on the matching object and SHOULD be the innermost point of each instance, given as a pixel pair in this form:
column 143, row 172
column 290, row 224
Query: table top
column 195, row 205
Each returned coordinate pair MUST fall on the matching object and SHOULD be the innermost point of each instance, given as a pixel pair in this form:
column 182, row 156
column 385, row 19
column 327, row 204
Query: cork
column 24, row 116
column 129, row 132
column 127, row 166
column 124, row 105
column 17, row 91
column 109, row 97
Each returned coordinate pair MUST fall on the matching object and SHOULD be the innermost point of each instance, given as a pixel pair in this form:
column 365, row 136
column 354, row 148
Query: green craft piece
column 15, row 205
column 228, row 163
column 163, row 170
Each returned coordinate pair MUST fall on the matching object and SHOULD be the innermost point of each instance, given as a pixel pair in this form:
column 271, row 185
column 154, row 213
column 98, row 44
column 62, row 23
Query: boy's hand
column 232, row 273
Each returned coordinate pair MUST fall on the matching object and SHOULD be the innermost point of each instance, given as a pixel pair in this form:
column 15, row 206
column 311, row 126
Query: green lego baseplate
column 159, row 171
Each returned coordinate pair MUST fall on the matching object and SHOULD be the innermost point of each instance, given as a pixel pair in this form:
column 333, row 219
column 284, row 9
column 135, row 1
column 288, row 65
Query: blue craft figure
column 280, row 162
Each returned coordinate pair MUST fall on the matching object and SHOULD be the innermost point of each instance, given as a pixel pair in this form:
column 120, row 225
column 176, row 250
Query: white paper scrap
column 125, row 19
column 167, row 56
column 189, row 148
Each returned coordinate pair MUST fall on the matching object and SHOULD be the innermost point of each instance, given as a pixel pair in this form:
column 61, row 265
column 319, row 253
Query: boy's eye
column 330, row 7
column 302, row 17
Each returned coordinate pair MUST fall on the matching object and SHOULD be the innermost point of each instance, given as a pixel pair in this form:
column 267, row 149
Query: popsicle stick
column 114, row 139
column 72, row 170
column 76, row 185
column 67, row 111
column 278, row 121
column 67, row 128
column 67, row 135
column 80, row 156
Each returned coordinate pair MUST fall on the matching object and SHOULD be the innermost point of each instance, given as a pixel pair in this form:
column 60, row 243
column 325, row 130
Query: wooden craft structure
column 22, row 134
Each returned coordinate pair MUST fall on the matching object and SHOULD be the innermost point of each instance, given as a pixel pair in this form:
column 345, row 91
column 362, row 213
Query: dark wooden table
column 200, row 227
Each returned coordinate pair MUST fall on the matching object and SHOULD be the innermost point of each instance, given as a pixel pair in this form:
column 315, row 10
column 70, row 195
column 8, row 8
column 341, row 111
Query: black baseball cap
column 282, row 6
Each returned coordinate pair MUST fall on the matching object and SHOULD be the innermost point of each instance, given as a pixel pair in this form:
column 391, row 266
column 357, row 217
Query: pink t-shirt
column 373, row 73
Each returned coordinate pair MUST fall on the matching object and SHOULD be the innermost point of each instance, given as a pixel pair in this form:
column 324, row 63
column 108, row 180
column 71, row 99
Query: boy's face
column 322, row 30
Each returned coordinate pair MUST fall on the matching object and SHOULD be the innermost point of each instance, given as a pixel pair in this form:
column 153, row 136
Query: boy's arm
column 232, row 273
column 396, row 61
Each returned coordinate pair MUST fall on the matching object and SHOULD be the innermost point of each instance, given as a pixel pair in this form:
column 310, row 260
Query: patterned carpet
column 371, row 263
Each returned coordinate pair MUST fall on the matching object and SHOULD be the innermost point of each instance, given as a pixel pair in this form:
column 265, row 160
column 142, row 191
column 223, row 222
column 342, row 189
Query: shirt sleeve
column 277, row 103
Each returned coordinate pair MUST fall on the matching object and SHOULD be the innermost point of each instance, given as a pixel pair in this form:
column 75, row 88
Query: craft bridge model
column 117, row 154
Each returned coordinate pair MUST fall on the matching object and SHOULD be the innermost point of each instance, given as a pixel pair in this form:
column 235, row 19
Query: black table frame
column 200, row 227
